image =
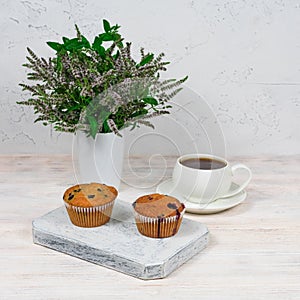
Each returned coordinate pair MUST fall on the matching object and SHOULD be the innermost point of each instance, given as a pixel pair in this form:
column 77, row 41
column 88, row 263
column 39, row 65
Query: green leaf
column 100, row 50
column 140, row 113
column 85, row 43
column 97, row 46
column 55, row 46
column 150, row 100
column 105, row 128
column 75, row 43
column 115, row 27
column 106, row 26
column 97, row 42
column 146, row 59
column 120, row 44
column 93, row 126
column 117, row 37
column 65, row 39
column 72, row 44
column 107, row 36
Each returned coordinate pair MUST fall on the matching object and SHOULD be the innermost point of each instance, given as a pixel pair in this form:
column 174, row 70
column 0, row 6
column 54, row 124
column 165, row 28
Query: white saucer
column 219, row 205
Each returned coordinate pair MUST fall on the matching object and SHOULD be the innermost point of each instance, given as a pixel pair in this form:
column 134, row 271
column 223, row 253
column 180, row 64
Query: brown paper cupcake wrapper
column 158, row 227
column 90, row 216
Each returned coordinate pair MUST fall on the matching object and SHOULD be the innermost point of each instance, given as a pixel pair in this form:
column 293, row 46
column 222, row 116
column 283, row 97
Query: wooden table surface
column 254, row 249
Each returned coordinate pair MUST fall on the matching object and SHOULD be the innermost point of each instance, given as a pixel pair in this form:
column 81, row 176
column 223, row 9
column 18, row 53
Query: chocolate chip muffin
column 90, row 205
column 158, row 216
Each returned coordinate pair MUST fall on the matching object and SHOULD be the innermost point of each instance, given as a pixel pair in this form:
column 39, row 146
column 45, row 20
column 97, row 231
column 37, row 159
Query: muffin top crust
column 158, row 206
column 90, row 194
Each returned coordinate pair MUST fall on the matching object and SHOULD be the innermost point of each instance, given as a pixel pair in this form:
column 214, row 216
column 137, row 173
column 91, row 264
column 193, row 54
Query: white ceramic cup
column 204, row 186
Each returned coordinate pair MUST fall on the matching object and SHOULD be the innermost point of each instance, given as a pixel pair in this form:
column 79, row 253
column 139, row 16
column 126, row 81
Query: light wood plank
column 254, row 251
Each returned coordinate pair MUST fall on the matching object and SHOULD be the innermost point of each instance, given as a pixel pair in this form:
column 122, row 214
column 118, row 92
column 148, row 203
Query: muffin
column 158, row 216
column 90, row 205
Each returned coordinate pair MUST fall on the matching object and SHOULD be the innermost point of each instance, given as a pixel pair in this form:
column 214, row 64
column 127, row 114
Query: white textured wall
column 243, row 57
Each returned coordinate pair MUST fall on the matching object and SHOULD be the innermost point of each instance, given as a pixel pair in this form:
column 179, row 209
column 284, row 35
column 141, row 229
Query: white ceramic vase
column 98, row 160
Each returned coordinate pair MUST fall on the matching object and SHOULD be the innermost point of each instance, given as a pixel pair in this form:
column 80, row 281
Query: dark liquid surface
column 203, row 163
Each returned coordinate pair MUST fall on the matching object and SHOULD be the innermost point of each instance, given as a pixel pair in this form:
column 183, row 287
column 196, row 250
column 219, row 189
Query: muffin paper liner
column 158, row 227
column 90, row 216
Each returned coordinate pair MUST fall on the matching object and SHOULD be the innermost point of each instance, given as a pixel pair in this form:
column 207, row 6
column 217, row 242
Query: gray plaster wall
column 242, row 57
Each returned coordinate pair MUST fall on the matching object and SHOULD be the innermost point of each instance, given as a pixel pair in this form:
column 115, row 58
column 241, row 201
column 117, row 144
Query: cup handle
column 234, row 168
